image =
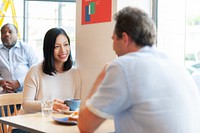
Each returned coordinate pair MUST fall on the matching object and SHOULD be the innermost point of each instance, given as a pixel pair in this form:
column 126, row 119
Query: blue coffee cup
column 74, row 104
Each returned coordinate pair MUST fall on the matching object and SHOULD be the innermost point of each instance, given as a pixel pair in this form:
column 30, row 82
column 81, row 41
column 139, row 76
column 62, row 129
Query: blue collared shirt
column 15, row 62
column 146, row 92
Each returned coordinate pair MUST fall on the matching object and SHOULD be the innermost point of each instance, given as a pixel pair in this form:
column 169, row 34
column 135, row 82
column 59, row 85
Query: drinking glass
column 46, row 107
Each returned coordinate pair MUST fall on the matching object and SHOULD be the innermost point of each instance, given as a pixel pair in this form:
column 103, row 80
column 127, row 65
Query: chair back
column 5, row 101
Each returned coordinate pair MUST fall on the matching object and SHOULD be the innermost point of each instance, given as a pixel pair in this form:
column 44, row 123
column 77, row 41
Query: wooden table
column 35, row 123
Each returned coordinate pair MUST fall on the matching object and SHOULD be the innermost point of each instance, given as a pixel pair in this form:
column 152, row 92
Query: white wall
column 94, row 43
column 93, row 47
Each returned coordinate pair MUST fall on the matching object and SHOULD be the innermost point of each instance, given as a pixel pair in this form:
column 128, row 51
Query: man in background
column 16, row 58
column 143, row 90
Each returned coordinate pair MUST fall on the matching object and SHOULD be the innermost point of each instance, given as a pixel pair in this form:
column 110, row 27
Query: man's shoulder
column 1, row 45
column 22, row 44
column 126, row 58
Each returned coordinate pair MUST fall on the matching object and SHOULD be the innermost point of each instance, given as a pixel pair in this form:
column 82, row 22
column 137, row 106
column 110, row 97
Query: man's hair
column 137, row 24
column 48, row 51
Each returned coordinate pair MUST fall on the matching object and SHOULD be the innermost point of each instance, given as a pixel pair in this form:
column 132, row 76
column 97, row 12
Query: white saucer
column 68, row 112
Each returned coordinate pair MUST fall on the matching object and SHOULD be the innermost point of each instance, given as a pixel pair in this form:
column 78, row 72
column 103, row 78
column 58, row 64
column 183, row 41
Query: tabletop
column 37, row 124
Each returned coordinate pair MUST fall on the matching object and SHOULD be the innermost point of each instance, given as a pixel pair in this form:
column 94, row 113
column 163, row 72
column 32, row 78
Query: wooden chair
column 5, row 101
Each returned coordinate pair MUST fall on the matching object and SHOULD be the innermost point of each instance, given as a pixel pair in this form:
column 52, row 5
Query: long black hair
column 48, row 51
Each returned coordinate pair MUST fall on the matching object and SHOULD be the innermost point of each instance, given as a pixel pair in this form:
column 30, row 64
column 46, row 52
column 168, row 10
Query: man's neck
column 9, row 46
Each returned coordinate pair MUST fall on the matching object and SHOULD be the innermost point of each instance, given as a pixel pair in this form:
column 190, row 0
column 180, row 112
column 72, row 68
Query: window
column 192, row 47
column 178, row 25
column 12, row 12
column 33, row 21
column 56, row 14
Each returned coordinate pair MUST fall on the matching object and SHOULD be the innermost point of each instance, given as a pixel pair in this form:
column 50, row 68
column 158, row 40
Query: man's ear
column 125, row 38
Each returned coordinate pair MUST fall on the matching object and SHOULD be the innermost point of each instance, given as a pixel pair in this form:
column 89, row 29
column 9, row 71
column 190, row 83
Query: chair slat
column 5, row 101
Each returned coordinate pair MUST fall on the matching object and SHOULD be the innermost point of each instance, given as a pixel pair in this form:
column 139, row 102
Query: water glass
column 46, row 107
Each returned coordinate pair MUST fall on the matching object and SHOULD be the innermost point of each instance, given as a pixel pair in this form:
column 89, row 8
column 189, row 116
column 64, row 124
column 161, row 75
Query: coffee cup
column 74, row 104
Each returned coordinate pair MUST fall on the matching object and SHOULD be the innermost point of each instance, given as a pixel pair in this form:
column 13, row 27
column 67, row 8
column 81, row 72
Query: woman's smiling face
column 62, row 49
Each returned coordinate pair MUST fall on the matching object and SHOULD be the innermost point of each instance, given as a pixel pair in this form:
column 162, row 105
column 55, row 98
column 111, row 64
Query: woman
column 54, row 78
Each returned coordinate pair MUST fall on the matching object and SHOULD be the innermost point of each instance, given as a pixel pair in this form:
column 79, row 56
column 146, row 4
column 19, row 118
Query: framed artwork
column 96, row 11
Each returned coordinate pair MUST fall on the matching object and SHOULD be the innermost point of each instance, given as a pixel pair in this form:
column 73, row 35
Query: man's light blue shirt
column 146, row 92
column 15, row 62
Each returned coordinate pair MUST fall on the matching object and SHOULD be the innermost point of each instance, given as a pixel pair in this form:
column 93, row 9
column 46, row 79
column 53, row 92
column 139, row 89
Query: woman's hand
column 59, row 105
